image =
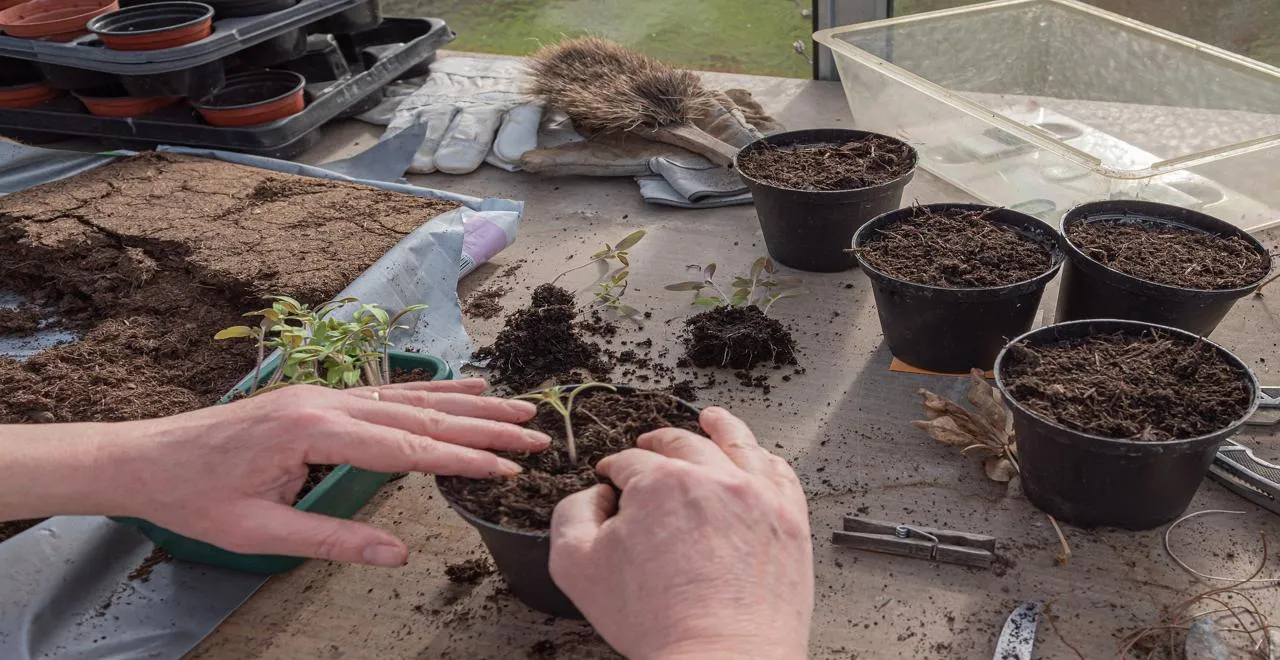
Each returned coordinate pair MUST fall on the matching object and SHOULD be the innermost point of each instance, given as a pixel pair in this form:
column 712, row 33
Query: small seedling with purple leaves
column 760, row 287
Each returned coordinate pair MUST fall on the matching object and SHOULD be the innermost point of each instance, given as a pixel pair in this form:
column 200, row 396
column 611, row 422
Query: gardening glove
column 475, row 110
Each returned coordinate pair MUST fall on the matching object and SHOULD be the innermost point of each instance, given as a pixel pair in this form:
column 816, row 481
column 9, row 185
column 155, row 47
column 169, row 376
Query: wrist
column 64, row 469
column 730, row 649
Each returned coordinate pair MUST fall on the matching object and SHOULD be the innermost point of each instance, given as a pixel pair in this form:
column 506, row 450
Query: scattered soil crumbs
column 21, row 321
column 1171, row 255
column 143, row 571
column 483, row 304
column 956, row 249
column 737, row 337
column 470, row 571
column 869, row 161
column 604, row 423
column 13, row 528
column 540, row 343
column 543, row 648
column 1153, row 387
column 146, row 258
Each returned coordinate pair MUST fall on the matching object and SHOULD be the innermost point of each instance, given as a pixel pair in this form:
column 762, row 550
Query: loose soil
column 1174, row 256
column 13, row 528
column 20, row 321
column 870, row 161
column 1155, row 387
column 738, row 338
column 541, row 343
column 485, row 303
column 604, row 423
column 148, row 257
column 143, row 571
column 958, row 249
column 470, row 571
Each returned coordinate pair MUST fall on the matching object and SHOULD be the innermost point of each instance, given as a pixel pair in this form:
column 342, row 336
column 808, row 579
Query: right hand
column 708, row 556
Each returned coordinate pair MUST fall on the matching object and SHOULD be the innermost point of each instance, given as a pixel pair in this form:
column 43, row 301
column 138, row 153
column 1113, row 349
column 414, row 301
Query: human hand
column 708, row 556
column 229, row 475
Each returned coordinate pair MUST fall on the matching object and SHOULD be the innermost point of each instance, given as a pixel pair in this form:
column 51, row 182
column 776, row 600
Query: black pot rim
column 273, row 75
column 477, row 521
column 1057, row 252
column 142, row 11
column 1080, row 213
column 853, row 134
column 1136, row 326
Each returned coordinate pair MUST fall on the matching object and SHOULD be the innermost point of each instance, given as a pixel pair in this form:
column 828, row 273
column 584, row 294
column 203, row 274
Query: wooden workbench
column 843, row 425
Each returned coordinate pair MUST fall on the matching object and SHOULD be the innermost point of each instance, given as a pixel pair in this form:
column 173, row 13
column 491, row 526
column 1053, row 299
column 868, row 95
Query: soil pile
column 470, row 571
column 1155, row 387
column 738, row 338
column 485, row 303
column 604, row 423
column 1167, row 254
column 955, row 249
column 870, row 161
column 541, row 343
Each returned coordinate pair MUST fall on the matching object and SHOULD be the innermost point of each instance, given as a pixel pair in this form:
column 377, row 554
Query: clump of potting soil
column 869, row 161
column 737, row 332
column 1153, row 387
column 20, row 321
column 604, row 423
column 540, row 343
column 470, row 571
column 485, row 303
column 955, row 249
column 1171, row 255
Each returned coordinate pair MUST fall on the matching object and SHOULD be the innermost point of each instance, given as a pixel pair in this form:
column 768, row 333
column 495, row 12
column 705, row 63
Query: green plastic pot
column 340, row 495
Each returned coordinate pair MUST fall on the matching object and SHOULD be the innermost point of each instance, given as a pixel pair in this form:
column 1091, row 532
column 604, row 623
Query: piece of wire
column 1169, row 549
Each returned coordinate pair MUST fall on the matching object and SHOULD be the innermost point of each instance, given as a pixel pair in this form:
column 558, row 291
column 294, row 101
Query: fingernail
column 390, row 556
column 538, row 438
column 508, row 468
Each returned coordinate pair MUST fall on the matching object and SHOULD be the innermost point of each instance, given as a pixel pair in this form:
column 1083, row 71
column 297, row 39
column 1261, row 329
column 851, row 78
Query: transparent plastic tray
column 1044, row 104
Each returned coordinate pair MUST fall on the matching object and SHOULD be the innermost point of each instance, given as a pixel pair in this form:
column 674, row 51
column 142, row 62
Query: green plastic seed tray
column 341, row 494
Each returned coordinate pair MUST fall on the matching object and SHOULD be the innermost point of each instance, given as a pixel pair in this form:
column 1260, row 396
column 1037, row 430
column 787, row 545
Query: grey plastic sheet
column 64, row 587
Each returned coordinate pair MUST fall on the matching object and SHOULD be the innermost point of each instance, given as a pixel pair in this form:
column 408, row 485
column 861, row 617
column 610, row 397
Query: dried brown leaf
column 999, row 469
column 945, row 430
column 936, row 407
column 991, row 406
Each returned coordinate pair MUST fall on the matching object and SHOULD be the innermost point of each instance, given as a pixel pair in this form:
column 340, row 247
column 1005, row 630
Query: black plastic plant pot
column 14, row 71
column 241, row 8
column 73, row 79
column 808, row 229
column 278, row 49
column 195, row 82
column 1091, row 481
column 523, row 557
column 362, row 17
column 951, row 330
column 1091, row 290
column 322, row 61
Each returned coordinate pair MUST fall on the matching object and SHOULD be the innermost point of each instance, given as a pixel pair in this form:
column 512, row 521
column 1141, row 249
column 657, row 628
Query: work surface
column 844, row 425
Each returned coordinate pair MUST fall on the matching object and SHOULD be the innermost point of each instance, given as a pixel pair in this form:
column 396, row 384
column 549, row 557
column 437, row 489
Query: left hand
column 229, row 475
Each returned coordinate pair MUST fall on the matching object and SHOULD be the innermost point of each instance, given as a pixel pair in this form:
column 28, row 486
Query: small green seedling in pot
column 560, row 398
column 759, row 287
column 319, row 349
column 610, row 253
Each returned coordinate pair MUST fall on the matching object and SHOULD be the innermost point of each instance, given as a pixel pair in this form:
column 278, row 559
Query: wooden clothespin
column 919, row 542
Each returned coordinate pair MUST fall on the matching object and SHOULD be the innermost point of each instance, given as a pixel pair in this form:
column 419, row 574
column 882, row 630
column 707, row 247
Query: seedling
column 318, row 349
column 610, row 253
column 560, row 398
column 759, row 288
column 610, row 291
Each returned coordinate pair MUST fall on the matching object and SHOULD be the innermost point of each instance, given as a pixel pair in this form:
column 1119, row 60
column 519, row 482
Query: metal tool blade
column 1236, row 467
column 1268, row 413
column 1018, row 639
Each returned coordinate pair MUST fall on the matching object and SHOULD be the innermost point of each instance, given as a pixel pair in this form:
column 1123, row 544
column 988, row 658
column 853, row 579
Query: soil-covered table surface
column 844, row 425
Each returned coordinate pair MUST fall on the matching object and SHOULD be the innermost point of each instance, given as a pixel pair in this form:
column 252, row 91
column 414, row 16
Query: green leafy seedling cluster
column 319, row 349
column 560, row 398
column 617, row 252
column 609, row 293
column 760, row 287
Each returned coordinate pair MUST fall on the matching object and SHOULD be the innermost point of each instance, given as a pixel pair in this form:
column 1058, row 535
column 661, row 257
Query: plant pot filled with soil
column 316, row 349
column 55, row 20
column 26, row 95
column 154, row 26
column 814, row 188
column 1117, row 421
column 513, row 515
column 258, row 97
column 115, row 101
column 1158, row 263
column 953, row 282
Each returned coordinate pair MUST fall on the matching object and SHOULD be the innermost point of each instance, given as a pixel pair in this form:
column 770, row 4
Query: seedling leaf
column 686, row 286
column 630, row 240
column 236, row 332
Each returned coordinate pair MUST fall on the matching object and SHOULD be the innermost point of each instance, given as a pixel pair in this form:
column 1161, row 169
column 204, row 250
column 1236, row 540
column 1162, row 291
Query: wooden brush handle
column 696, row 140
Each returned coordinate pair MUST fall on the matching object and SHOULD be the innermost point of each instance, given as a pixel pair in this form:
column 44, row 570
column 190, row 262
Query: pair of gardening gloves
column 476, row 110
